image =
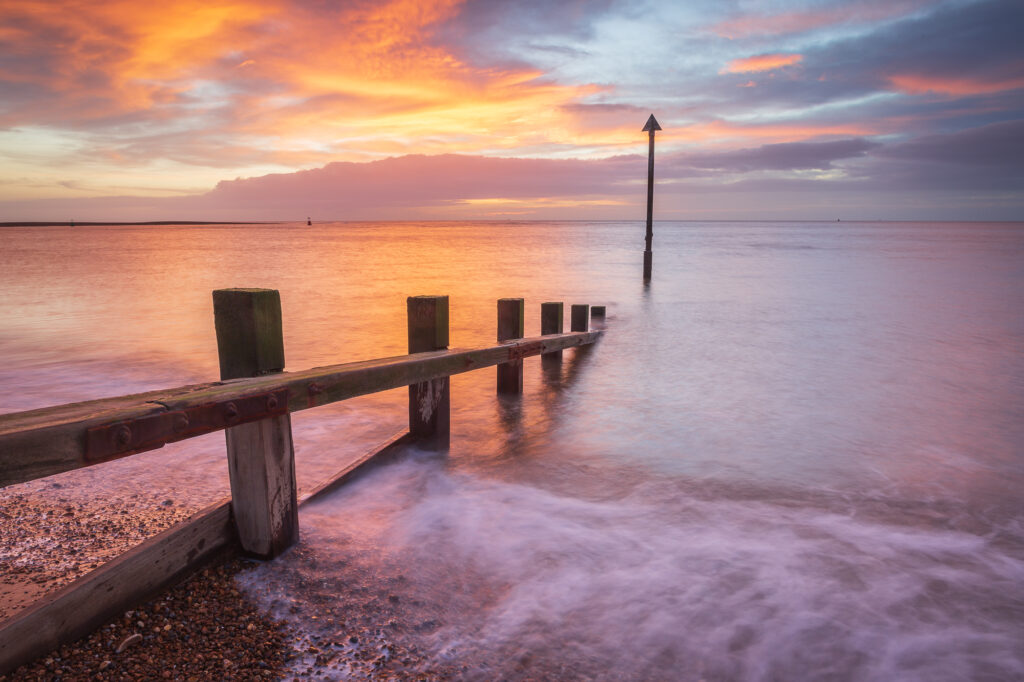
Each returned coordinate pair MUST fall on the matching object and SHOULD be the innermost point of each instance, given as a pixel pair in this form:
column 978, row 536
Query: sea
column 797, row 453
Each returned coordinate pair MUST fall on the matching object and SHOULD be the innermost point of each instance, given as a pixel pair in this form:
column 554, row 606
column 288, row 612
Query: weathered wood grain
column 511, row 325
column 552, row 316
column 429, row 401
column 51, row 440
column 250, row 341
column 261, row 457
column 580, row 317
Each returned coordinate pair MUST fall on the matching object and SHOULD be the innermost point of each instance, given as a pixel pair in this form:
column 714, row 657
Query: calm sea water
column 798, row 454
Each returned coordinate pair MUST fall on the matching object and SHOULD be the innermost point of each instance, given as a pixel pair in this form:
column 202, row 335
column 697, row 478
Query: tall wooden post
column 429, row 401
column 261, row 459
column 580, row 318
column 649, row 128
column 551, row 322
column 511, row 325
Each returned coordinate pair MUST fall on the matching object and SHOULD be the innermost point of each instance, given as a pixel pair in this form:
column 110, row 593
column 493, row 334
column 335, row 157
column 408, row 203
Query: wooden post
column 551, row 322
column 261, row 460
column 511, row 322
column 429, row 401
column 580, row 318
column 597, row 311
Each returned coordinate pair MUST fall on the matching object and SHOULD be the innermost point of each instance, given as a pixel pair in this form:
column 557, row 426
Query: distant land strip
column 68, row 223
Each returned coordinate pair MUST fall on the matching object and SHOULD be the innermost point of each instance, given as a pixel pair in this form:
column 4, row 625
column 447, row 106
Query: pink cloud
column 762, row 62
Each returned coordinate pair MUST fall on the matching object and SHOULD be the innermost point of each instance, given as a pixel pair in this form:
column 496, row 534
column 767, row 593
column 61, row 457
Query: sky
column 496, row 109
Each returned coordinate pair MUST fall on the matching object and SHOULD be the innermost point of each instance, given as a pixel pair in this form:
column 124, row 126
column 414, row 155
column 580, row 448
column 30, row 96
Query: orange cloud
column 919, row 85
column 324, row 80
column 764, row 62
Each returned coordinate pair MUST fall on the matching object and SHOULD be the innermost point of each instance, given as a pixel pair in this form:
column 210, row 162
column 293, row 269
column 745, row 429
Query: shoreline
column 67, row 223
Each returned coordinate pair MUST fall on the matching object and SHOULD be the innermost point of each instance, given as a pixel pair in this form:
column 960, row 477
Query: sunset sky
column 268, row 110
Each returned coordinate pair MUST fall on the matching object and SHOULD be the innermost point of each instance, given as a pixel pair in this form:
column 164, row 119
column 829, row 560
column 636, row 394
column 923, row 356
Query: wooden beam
column 382, row 453
column 429, row 401
column 51, row 440
column 261, row 458
column 511, row 325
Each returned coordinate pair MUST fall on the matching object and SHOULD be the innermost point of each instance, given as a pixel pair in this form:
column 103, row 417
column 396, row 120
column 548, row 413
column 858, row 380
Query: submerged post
column 649, row 128
column 551, row 322
column 511, row 325
column 580, row 318
column 261, row 458
column 429, row 401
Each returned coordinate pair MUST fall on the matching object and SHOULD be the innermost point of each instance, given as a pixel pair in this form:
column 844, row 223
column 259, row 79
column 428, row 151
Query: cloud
column 785, row 156
column 764, row 62
column 752, row 24
column 919, row 85
column 349, row 79
column 998, row 147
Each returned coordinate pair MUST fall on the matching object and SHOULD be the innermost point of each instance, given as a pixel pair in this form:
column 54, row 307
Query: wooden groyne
column 252, row 404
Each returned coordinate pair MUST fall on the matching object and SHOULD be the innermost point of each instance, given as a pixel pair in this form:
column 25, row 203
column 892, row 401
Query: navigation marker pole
column 652, row 125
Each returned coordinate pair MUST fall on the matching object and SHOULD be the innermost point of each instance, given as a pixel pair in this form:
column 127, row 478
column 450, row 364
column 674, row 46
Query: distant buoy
column 308, row 221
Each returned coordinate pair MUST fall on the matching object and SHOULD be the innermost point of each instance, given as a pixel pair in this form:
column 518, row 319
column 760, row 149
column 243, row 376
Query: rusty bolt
column 180, row 422
column 272, row 402
column 231, row 411
column 123, row 435
column 315, row 388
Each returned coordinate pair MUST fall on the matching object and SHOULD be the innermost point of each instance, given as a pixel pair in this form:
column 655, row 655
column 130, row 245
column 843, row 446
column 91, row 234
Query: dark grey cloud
column 996, row 146
column 784, row 156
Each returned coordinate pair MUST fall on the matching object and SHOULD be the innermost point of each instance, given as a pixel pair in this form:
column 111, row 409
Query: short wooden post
column 597, row 311
column 261, row 459
column 580, row 318
column 511, row 323
column 429, row 401
column 551, row 322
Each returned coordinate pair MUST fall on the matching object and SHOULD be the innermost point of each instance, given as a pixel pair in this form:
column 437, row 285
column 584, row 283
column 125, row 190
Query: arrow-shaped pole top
column 652, row 125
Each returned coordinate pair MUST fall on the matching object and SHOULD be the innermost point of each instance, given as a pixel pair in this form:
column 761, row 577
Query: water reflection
column 797, row 454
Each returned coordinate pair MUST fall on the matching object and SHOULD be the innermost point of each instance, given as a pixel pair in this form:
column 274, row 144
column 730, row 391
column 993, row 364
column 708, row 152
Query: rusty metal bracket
column 110, row 441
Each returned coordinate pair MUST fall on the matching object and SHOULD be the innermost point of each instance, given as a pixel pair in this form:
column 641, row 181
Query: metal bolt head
column 231, row 411
column 180, row 422
column 123, row 436
column 272, row 402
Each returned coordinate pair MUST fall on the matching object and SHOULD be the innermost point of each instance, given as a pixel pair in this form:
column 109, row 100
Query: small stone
column 128, row 641
column 105, row 664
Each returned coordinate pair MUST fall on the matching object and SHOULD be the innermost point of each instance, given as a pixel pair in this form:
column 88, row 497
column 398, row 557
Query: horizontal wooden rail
column 52, row 440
